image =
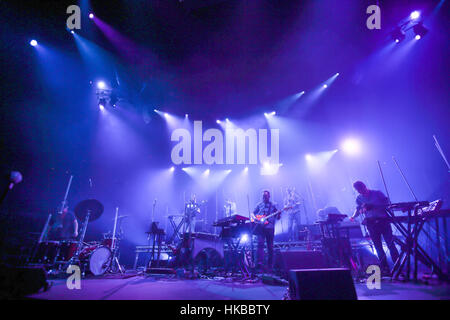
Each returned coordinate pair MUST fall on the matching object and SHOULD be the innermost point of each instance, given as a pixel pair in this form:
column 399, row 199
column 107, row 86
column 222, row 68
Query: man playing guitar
column 266, row 229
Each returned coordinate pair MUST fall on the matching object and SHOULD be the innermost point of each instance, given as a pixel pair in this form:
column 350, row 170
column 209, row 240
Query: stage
column 141, row 287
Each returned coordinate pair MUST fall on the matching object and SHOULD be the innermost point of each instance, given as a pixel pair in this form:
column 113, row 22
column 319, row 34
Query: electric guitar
column 263, row 219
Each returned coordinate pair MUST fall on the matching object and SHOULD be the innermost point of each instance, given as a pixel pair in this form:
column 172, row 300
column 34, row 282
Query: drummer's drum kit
column 98, row 257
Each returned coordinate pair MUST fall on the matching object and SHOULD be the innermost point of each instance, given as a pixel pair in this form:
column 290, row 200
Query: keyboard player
column 372, row 205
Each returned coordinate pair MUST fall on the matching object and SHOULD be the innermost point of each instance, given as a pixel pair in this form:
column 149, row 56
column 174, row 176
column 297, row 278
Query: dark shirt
column 266, row 208
column 62, row 226
column 375, row 203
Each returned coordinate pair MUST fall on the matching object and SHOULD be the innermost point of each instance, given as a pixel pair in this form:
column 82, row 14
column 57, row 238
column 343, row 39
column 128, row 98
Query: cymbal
column 92, row 205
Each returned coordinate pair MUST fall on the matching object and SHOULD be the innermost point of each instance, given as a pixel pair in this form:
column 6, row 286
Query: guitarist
column 372, row 204
column 266, row 231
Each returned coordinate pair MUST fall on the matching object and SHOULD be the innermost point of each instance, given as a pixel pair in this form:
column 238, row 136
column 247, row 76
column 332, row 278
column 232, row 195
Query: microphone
column 15, row 177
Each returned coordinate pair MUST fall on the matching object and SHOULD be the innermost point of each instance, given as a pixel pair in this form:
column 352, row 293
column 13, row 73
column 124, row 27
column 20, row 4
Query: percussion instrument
column 67, row 250
column 97, row 258
column 46, row 252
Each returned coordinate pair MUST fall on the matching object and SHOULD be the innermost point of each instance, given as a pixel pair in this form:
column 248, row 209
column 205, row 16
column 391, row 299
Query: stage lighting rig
column 420, row 31
column 398, row 35
column 413, row 21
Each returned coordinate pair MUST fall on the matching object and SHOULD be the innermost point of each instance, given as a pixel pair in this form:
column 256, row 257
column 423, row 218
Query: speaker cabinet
column 287, row 260
column 321, row 284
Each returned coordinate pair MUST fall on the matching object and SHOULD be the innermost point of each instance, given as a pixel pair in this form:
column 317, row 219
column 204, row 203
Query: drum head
column 99, row 261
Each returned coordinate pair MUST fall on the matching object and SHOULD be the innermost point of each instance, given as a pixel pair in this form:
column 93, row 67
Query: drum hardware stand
column 75, row 259
column 115, row 247
column 45, row 229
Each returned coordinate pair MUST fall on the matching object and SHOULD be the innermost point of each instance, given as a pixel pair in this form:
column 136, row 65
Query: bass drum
column 99, row 260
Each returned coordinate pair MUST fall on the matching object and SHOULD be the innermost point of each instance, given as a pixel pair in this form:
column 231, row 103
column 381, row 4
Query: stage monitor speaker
column 19, row 282
column 287, row 260
column 321, row 284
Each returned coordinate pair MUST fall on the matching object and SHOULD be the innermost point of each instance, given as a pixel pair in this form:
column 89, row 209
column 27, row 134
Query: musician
column 266, row 231
column 372, row 204
column 64, row 225
column 230, row 207
column 191, row 212
column 292, row 199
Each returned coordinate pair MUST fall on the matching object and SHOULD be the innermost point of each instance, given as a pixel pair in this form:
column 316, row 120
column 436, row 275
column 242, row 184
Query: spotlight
column 172, row 169
column 186, row 115
column 325, row 86
column 227, row 120
column 91, row 16
column 101, row 85
column 155, row 110
column 351, row 146
column 166, row 115
column 102, row 103
column 218, row 121
column 246, row 169
column 420, row 31
column 414, row 15
column 72, row 32
column 244, row 238
column 33, row 43
column 398, row 35
column 308, row 157
column 270, row 114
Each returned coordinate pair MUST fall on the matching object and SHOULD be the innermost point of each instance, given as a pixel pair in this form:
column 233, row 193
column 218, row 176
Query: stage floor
column 162, row 288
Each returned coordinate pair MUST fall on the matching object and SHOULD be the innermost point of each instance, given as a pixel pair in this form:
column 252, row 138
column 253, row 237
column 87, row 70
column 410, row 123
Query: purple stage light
column 172, row 169
column 351, row 146
column 244, row 238
column 101, row 107
column 325, row 86
column 91, row 16
column 101, row 85
column 308, row 157
column 417, row 37
column 218, row 121
column 414, row 15
column 33, row 43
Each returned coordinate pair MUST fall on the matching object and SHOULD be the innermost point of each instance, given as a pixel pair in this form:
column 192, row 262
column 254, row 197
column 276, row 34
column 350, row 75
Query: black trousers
column 378, row 228
column 265, row 234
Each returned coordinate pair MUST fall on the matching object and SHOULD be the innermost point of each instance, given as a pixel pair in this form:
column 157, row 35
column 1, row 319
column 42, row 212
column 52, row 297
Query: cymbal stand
column 115, row 247
column 76, row 256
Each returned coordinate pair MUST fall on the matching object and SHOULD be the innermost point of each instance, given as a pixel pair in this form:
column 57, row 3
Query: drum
column 97, row 257
column 67, row 250
column 107, row 242
column 46, row 252
column 99, row 260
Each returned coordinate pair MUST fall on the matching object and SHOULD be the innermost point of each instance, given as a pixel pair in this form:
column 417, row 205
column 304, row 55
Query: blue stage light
column 33, row 43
